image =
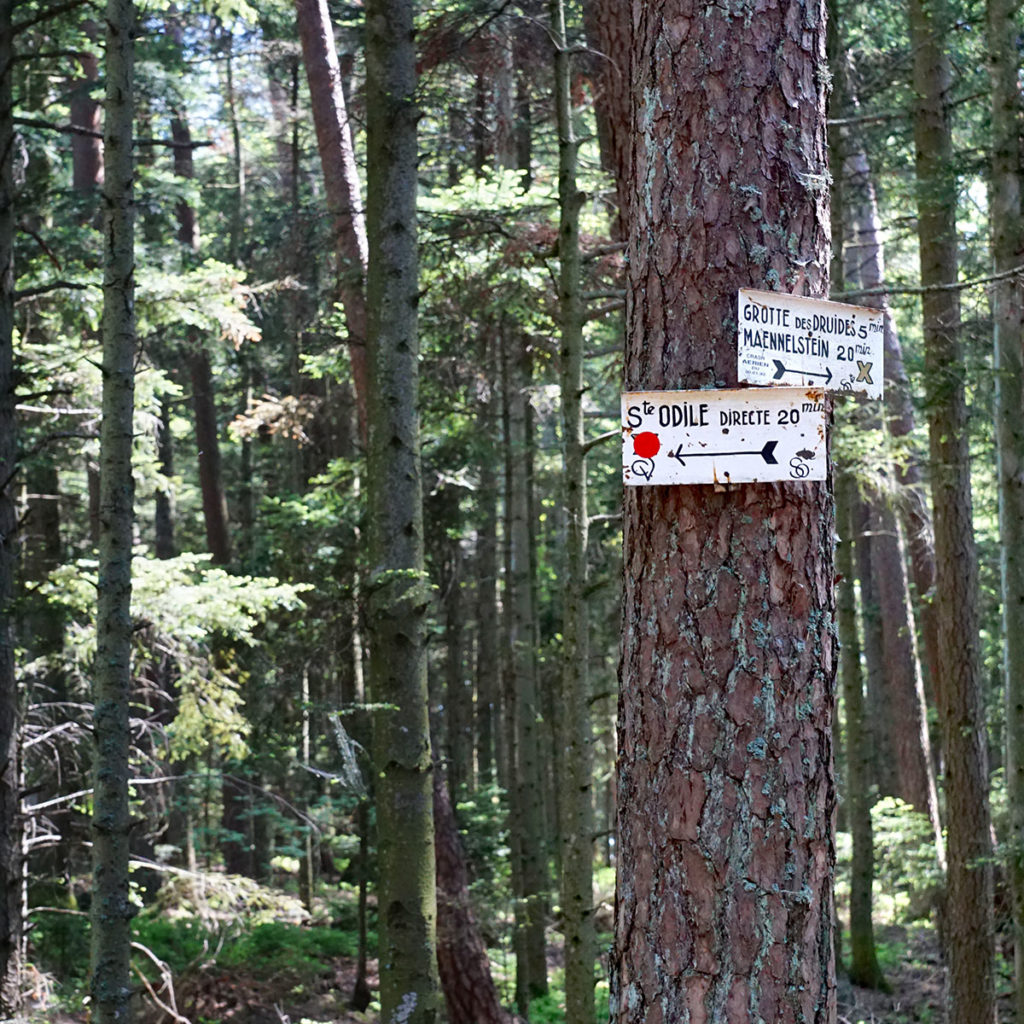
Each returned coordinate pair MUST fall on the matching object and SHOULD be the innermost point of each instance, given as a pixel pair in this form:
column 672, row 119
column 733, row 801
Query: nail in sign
column 709, row 437
column 791, row 340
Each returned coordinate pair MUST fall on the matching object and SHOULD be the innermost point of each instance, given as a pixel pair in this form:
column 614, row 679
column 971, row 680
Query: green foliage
column 907, row 875
column 283, row 948
column 186, row 609
column 550, row 1008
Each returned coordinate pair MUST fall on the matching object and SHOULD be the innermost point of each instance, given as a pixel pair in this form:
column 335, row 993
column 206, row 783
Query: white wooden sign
column 795, row 341
column 723, row 437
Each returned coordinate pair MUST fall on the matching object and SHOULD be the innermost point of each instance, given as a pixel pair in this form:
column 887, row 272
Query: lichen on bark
column 726, row 790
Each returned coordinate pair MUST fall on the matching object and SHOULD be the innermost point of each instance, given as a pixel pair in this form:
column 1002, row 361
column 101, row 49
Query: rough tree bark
column 726, row 791
column 398, row 594
column 112, row 910
column 10, row 719
column 1008, row 331
column 469, row 990
column 968, row 919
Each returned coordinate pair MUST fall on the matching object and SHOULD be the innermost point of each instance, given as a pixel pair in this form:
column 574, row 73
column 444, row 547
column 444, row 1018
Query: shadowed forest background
column 254, row 826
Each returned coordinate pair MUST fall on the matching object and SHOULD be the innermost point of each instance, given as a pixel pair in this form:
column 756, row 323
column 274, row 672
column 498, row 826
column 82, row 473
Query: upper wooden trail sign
column 723, row 437
column 792, row 340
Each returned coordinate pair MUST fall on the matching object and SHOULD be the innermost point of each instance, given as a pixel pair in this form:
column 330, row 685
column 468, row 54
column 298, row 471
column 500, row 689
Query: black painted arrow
column 767, row 453
column 780, row 370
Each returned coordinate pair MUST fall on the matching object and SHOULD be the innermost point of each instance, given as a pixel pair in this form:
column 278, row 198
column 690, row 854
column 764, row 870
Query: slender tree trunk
column 968, row 918
column 524, row 112
column 879, row 713
column 907, row 721
column 86, row 112
column 726, row 790
column 529, row 775
column 488, row 666
column 341, row 180
column 864, row 969
column 112, row 910
column 164, row 516
column 10, row 717
column 503, row 84
column 609, row 33
column 509, row 765
column 866, row 258
column 398, row 593
column 576, row 784
column 458, row 699
column 211, row 480
column 1008, row 329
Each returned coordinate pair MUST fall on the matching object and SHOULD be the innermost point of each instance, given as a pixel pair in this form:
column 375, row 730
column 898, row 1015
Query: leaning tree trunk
column 10, row 719
column 112, row 909
column 726, row 790
column 1008, row 329
column 341, row 181
column 968, row 918
column 398, row 592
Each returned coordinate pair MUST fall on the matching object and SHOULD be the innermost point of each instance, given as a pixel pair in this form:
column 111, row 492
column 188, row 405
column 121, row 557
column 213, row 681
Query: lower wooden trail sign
column 723, row 437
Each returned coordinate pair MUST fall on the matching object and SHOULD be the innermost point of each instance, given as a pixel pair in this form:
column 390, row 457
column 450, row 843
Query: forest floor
column 913, row 968
column 287, row 973
column 250, row 996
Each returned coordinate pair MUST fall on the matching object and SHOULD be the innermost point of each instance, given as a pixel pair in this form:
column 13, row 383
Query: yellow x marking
column 864, row 372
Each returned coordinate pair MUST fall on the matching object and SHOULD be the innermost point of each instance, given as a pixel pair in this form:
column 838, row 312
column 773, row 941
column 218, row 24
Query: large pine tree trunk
column 10, row 839
column 112, row 909
column 726, row 791
column 1008, row 324
column 968, row 918
column 397, row 589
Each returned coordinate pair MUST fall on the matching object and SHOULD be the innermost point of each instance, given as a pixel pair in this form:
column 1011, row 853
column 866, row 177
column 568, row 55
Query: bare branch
column 600, row 439
column 600, row 311
column 955, row 286
column 76, row 129
column 53, row 286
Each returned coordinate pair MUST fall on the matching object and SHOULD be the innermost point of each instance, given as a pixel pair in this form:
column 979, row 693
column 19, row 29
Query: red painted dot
column 646, row 445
